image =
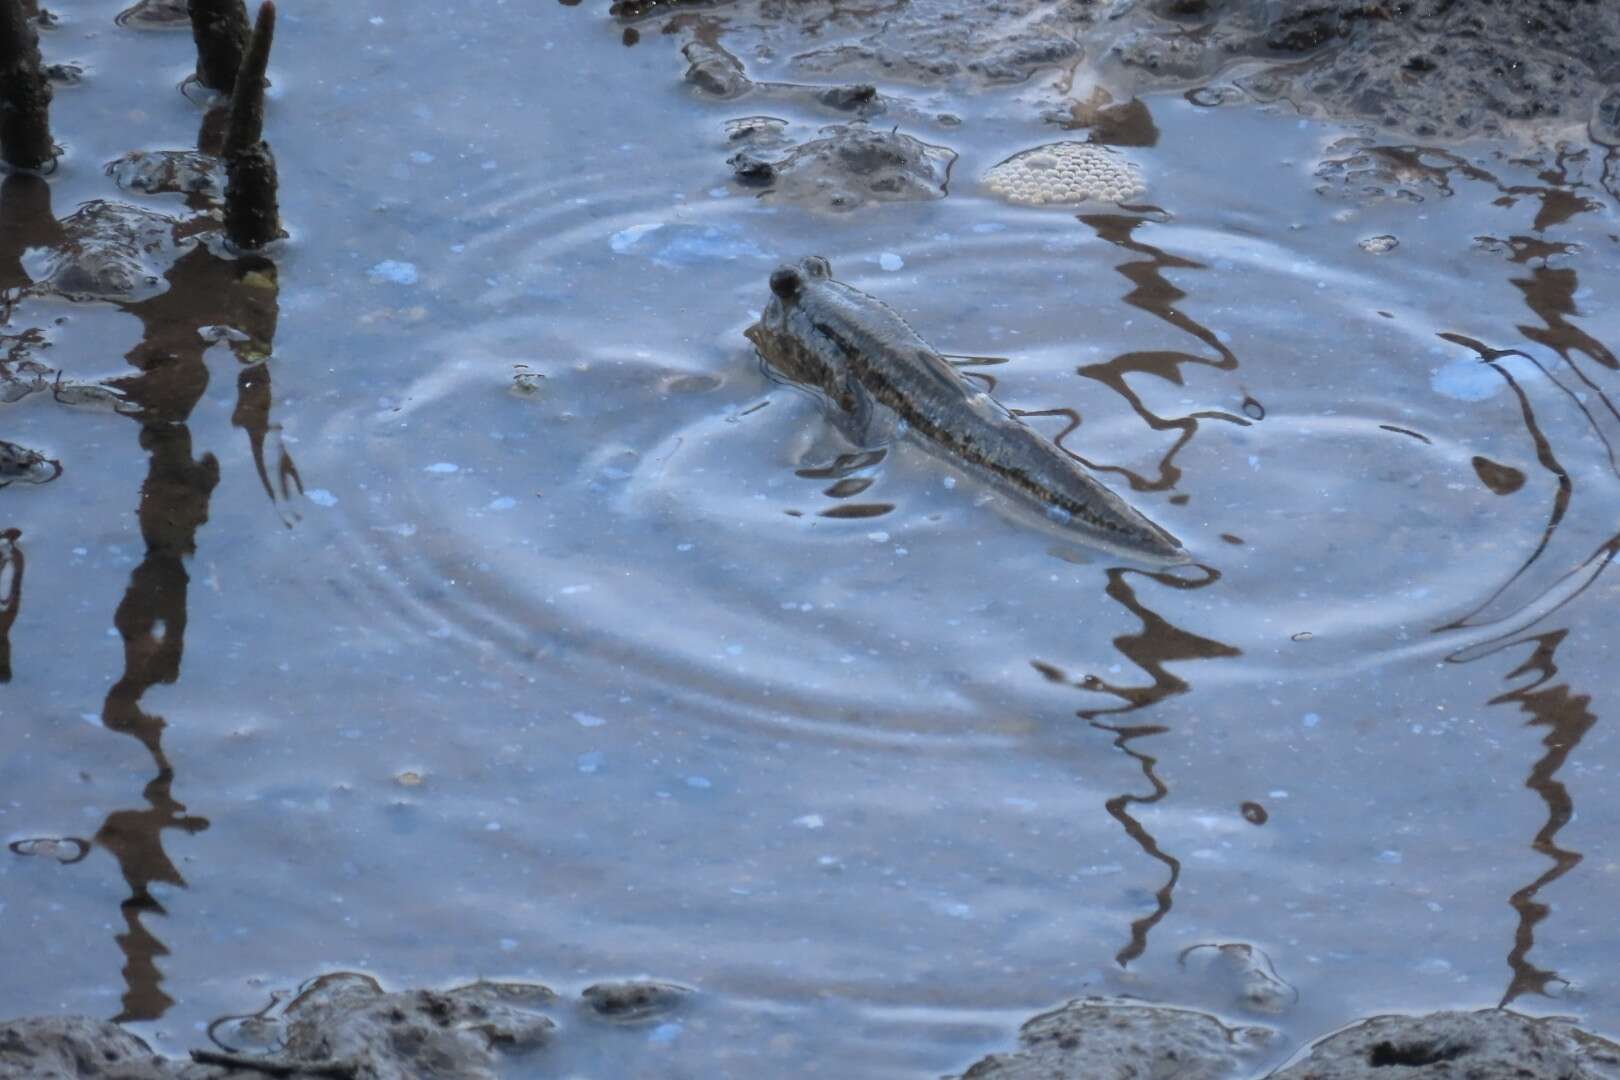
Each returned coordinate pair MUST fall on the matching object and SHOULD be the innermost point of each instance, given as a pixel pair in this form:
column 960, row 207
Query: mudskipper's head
column 788, row 283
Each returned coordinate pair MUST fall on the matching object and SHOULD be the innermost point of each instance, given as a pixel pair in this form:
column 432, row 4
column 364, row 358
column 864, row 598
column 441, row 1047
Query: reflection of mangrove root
column 25, row 95
column 220, row 28
column 251, row 217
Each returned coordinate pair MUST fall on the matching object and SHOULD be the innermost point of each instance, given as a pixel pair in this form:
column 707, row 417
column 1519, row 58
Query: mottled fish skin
column 863, row 357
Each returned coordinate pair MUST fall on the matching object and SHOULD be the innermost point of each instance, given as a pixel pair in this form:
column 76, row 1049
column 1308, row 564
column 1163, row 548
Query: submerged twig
column 275, row 1066
column 252, row 219
column 25, row 94
column 220, row 29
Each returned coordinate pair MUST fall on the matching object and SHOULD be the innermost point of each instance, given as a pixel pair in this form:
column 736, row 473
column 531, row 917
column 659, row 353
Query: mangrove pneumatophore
column 25, row 95
column 251, row 216
column 220, row 28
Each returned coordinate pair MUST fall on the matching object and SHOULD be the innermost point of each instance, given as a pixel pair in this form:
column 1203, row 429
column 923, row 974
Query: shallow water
column 573, row 659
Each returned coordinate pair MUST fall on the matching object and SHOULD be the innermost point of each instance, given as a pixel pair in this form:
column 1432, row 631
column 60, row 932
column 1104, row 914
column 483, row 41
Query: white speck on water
column 809, row 821
column 622, row 241
column 492, row 826
column 421, row 157
column 375, row 20
column 394, row 271
column 585, row 719
column 1310, row 719
column 1017, row 803
column 490, row 165
column 949, row 482
column 734, row 650
column 989, row 227
column 683, row 547
column 664, row 1033
column 878, row 537
column 1433, row 905
column 571, row 590
column 1391, row 857
column 91, row 718
column 719, row 192
column 589, row 761
column 699, row 782
column 957, row 910
column 1434, row 966
column 890, row 261
column 505, row 502
column 1467, row 380
column 1278, row 793
column 508, row 944
column 443, row 467
column 321, row 497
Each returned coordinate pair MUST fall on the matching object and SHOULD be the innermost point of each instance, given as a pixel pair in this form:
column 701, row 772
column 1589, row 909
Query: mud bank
column 1422, row 67
column 345, row 1025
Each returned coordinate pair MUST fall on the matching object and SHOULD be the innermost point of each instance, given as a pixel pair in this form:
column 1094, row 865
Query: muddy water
column 556, row 641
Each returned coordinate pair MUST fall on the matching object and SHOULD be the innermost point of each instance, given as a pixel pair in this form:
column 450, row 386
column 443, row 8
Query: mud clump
column 1487, row 1043
column 1446, row 68
column 106, row 251
column 849, row 166
column 65, row 1047
column 1108, row 1040
column 633, row 1002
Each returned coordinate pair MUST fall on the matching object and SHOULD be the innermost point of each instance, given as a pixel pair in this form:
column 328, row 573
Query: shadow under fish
column 879, row 380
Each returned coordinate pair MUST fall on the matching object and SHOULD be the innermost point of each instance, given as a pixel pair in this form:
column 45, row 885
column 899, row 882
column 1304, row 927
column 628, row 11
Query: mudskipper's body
column 878, row 375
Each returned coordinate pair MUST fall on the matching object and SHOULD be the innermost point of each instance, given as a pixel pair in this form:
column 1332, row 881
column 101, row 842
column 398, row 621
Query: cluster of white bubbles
column 1066, row 172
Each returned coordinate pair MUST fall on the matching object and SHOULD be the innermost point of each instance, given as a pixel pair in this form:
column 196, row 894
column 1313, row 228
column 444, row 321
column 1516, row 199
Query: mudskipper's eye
column 785, row 282
column 816, row 266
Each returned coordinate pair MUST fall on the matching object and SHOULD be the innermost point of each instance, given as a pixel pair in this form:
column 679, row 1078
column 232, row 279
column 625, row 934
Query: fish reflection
column 1157, row 644
column 209, row 297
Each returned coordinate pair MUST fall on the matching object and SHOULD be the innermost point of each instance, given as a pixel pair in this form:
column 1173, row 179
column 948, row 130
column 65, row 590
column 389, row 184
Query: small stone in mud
column 1065, row 172
column 1487, row 1043
column 164, row 172
column 408, row 778
column 1378, row 245
column 65, row 850
column 1500, row 479
column 1108, row 1040
column 525, row 382
column 862, row 97
column 634, row 1001
column 154, row 15
column 714, row 70
column 1604, row 126
column 1254, row 813
column 1245, row 973
column 18, row 464
column 759, row 132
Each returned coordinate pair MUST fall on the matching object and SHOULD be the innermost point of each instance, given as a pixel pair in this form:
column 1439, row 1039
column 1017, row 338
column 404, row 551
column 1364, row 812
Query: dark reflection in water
column 1157, row 644
column 11, row 580
column 1549, row 292
column 1155, row 295
column 1567, row 719
column 205, row 291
